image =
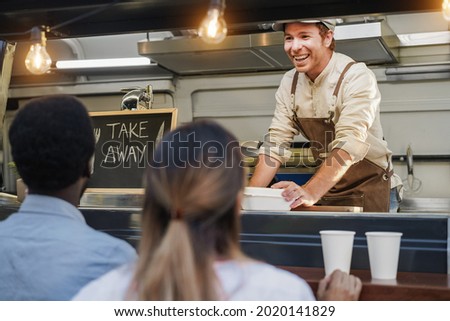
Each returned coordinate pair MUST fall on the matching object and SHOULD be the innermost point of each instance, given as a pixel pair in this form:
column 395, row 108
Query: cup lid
column 383, row 233
column 342, row 232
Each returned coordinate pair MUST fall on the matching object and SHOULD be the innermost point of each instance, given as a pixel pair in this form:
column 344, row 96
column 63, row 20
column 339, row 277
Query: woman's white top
column 241, row 281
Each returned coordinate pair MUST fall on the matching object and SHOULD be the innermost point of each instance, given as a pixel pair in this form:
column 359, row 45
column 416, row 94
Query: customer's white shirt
column 241, row 281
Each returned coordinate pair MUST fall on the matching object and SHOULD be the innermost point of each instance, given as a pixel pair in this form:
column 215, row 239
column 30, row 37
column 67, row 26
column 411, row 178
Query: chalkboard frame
column 140, row 114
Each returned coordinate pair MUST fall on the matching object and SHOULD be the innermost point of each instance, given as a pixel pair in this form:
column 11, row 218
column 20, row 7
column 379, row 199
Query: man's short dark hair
column 52, row 141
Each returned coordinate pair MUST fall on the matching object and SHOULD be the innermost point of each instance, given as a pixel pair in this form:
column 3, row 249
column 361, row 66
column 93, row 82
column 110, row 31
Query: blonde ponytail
column 174, row 273
column 190, row 215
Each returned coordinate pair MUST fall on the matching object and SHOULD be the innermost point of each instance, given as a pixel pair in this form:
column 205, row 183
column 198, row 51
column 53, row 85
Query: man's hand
column 328, row 174
column 296, row 194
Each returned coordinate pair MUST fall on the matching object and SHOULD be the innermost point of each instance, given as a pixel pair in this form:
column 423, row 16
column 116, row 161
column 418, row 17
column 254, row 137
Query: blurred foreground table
column 408, row 286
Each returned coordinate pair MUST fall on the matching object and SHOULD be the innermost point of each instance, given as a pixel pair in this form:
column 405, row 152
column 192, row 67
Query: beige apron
column 365, row 184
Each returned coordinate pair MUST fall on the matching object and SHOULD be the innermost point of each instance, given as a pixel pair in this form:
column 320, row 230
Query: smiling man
column 335, row 103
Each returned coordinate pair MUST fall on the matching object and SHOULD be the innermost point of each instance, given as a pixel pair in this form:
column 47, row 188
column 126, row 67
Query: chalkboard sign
column 125, row 142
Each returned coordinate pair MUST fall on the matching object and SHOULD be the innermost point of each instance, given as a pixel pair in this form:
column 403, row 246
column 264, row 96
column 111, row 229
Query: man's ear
column 89, row 170
column 329, row 38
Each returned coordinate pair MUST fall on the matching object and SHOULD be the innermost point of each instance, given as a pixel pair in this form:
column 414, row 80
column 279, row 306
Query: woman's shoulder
column 252, row 280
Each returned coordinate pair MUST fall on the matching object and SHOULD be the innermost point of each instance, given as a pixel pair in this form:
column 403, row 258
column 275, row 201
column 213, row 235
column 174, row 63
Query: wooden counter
column 408, row 286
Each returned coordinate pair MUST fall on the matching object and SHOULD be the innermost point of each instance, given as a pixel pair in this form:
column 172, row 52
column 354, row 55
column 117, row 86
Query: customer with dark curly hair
column 47, row 251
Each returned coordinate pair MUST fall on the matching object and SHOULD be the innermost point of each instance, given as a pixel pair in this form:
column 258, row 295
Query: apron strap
column 341, row 77
column 388, row 171
column 336, row 89
column 294, row 83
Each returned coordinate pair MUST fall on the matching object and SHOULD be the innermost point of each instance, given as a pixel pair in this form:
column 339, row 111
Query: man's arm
column 265, row 170
column 329, row 173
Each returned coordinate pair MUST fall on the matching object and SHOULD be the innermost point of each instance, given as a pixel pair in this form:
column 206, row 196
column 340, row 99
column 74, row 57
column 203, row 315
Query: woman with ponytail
column 189, row 249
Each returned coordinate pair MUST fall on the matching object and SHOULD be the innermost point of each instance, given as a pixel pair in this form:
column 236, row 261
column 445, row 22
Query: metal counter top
column 8, row 199
column 422, row 204
column 292, row 238
column 412, row 207
column 120, row 198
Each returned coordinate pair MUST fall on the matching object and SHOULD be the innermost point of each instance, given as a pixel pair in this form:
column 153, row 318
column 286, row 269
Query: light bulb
column 38, row 61
column 446, row 10
column 213, row 28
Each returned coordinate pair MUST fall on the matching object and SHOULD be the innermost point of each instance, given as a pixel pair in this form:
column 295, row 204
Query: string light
column 38, row 60
column 446, row 10
column 213, row 28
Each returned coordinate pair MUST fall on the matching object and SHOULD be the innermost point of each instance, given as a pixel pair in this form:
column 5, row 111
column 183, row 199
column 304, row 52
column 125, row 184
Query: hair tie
column 177, row 214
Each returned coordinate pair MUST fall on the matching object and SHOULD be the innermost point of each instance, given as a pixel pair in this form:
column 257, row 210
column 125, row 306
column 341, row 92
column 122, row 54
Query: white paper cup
column 337, row 247
column 384, row 250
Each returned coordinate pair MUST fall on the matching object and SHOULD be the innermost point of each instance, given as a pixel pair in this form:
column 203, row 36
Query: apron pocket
column 344, row 200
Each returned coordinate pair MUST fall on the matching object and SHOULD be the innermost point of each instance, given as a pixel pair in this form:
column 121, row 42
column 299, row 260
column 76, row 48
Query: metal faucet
column 137, row 98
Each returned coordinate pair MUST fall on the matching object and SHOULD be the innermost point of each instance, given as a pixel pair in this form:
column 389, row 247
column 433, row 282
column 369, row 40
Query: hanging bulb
column 446, row 10
column 213, row 28
column 38, row 60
